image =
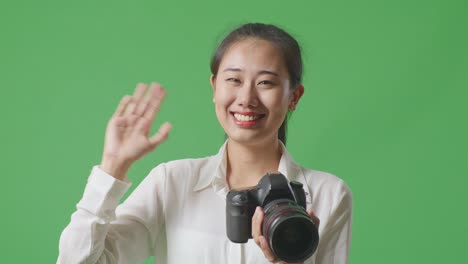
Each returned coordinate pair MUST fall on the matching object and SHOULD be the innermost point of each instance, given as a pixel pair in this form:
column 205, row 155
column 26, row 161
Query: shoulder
column 324, row 180
column 319, row 183
column 326, row 188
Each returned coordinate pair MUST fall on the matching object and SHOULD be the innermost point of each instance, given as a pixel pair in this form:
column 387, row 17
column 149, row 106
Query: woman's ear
column 296, row 96
column 213, row 86
column 212, row 82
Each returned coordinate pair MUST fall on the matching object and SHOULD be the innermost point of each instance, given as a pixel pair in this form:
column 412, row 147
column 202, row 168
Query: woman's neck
column 247, row 164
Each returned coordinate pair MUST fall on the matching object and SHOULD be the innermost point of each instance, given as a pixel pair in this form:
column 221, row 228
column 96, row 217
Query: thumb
column 314, row 218
column 162, row 134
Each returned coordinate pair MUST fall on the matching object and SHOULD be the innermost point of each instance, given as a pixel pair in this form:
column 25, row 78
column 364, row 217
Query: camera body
column 290, row 232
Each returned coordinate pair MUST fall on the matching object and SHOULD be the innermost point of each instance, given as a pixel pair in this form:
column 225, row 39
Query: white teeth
column 246, row 117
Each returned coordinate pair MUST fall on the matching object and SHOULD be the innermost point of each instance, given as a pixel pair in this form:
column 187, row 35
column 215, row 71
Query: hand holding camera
column 283, row 229
column 261, row 241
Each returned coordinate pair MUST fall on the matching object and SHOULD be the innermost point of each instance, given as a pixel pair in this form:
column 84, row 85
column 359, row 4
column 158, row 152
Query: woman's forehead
column 253, row 55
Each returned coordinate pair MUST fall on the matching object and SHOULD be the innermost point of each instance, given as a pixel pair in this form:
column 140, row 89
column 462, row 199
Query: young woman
column 177, row 213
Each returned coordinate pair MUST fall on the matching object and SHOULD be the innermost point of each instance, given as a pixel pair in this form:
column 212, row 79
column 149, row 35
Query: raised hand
column 127, row 134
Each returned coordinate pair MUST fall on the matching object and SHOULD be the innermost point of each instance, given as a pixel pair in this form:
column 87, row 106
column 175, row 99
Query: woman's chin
column 249, row 138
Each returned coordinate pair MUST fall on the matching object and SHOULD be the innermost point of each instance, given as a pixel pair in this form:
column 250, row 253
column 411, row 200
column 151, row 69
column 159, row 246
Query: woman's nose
column 247, row 95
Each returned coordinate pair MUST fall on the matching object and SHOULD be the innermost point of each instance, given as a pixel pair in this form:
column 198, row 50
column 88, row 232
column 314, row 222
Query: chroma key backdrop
column 385, row 109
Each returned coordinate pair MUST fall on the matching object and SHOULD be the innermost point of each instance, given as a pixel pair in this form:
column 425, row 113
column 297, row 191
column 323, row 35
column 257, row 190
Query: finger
column 137, row 95
column 161, row 135
column 122, row 105
column 257, row 224
column 314, row 218
column 156, row 97
column 140, row 91
column 144, row 101
column 266, row 249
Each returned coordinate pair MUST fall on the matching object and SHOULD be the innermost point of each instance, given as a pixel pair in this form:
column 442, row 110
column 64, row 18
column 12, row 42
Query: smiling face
column 252, row 92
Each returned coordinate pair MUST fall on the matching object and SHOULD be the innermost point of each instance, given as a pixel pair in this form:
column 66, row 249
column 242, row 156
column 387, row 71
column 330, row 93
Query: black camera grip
column 239, row 213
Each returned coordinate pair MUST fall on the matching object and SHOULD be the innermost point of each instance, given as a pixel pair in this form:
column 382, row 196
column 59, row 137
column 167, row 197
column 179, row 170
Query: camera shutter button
column 239, row 198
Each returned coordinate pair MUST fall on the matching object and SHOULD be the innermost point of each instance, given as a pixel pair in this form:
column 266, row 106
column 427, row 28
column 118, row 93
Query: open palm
column 127, row 134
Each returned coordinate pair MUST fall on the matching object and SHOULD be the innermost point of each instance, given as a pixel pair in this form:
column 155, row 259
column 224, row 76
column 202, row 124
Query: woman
column 177, row 213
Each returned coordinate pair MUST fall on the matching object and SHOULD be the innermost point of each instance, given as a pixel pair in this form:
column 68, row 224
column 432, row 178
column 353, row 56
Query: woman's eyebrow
column 259, row 73
column 232, row 69
column 268, row 72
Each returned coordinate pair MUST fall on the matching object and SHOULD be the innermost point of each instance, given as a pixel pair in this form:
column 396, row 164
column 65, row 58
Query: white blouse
column 177, row 214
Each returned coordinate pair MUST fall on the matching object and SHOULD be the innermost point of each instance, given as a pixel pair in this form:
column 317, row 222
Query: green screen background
column 384, row 109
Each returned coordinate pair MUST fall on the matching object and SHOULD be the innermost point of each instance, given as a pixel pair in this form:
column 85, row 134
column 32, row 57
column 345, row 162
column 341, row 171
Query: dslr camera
column 290, row 232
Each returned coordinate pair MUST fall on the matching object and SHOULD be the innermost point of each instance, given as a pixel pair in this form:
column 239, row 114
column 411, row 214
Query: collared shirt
column 177, row 214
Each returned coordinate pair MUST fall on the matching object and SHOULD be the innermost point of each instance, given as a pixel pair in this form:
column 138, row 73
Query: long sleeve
column 335, row 242
column 100, row 231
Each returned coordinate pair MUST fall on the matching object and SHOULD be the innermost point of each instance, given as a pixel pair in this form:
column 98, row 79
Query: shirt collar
column 216, row 168
column 287, row 166
column 294, row 172
column 217, row 165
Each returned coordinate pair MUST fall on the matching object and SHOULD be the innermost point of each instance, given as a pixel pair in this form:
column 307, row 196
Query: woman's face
column 252, row 92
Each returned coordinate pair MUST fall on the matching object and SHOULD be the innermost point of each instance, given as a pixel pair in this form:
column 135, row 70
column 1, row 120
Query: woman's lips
column 247, row 119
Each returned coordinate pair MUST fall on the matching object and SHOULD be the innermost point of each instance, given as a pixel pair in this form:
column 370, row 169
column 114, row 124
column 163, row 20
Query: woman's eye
column 233, row 80
column 265, row 83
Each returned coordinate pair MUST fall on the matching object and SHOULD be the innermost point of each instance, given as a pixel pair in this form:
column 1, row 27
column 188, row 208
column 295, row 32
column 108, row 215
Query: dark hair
column 285, row 43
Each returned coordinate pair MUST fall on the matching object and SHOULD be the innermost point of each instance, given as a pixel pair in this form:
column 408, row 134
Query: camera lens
column 292, row 235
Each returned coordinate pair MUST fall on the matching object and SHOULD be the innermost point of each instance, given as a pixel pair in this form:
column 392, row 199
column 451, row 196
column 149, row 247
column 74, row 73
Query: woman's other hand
column 127, row 134
column 261, row 241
